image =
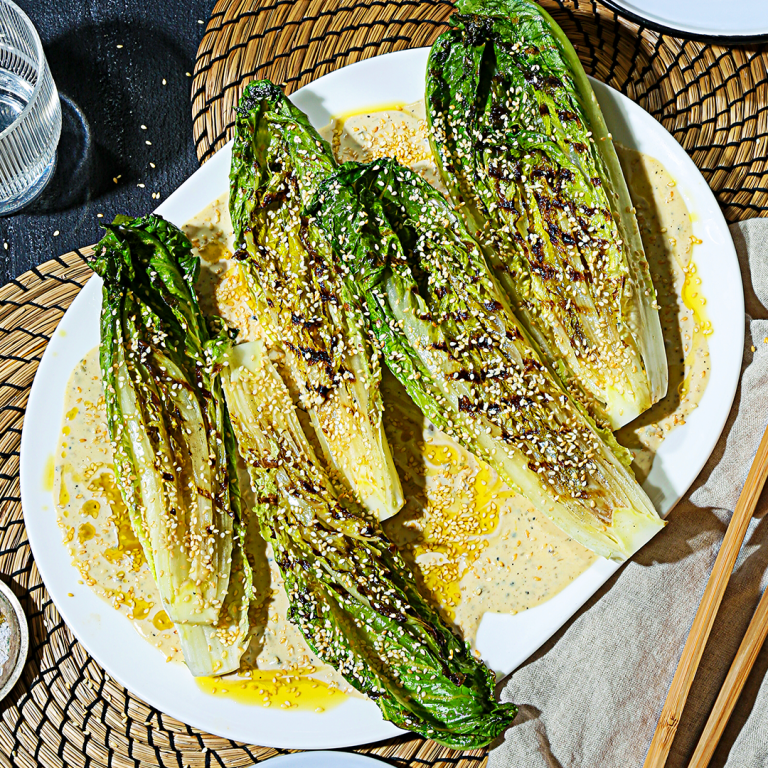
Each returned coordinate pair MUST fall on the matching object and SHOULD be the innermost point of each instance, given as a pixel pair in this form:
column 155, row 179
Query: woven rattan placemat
column 65, row 710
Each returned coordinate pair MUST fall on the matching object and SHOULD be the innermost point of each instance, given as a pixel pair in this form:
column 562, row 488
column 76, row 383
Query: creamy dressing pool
column 668, row 239
column 278, row 668
column 474, row 544
column 399, row 132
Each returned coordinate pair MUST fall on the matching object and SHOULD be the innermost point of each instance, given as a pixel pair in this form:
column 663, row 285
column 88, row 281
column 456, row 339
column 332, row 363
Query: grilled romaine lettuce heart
column 350, row 592
column 447, row 332
column 303, row 300
column 173, row 447
column 522, row 146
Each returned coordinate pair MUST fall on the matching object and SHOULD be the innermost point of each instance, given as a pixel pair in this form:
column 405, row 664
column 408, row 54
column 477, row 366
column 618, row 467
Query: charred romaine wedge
column 173, row 447
column 447, row 332
column 350, row 593
column 303, row 300
column 523, row 148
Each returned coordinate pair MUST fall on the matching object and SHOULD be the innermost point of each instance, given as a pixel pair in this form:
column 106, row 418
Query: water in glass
column 30, row 112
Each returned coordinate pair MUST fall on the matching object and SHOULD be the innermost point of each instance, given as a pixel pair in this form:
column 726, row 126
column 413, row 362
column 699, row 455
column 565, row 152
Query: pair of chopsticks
column 702, row 626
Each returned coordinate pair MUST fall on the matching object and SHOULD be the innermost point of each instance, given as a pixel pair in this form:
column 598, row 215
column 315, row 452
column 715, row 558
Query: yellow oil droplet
column 490, row 491
column 141, row 608
column 341, row 118
column 91, row 507
column 85, row 532
column 66, row 430
column 71, row 413
column 49, row 472
column 63, row 493
column 214, row 251
column 445, row 455
column 287, row 690
column 693, row 298
column 127, row 543
column 161, row 621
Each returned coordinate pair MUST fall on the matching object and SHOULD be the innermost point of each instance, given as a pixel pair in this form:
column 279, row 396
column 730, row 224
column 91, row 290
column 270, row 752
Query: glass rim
column 41, row 64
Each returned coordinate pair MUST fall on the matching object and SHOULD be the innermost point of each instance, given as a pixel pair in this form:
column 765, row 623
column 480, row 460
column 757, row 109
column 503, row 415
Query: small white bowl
column 14, row 639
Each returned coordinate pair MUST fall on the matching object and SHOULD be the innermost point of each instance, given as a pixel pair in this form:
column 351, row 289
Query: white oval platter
column 504, row 641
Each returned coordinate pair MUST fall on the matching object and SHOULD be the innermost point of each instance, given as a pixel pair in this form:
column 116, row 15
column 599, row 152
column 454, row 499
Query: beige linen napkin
column 591, row 697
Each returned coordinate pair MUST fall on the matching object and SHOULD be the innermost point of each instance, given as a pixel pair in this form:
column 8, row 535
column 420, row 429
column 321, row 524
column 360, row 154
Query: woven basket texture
column 66, row 710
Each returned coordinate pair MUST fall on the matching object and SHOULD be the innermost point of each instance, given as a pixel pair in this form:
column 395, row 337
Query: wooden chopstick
column 705, row 616
column 734, row 682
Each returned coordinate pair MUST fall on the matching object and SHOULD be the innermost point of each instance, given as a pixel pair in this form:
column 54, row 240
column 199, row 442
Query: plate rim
column 340, row 759
column 387, row 730
column 682, row 32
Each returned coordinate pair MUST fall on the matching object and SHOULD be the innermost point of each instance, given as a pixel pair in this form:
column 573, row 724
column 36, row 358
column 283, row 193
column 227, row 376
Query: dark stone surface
column 107, row 94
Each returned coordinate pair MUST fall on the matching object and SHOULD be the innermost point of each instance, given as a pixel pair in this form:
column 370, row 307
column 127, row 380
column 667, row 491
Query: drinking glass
column 30, row 112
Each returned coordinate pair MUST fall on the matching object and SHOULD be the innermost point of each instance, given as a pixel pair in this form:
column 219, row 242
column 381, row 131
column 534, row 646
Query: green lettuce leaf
column 522, row 146
column 448, row 334
column 351, row 594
